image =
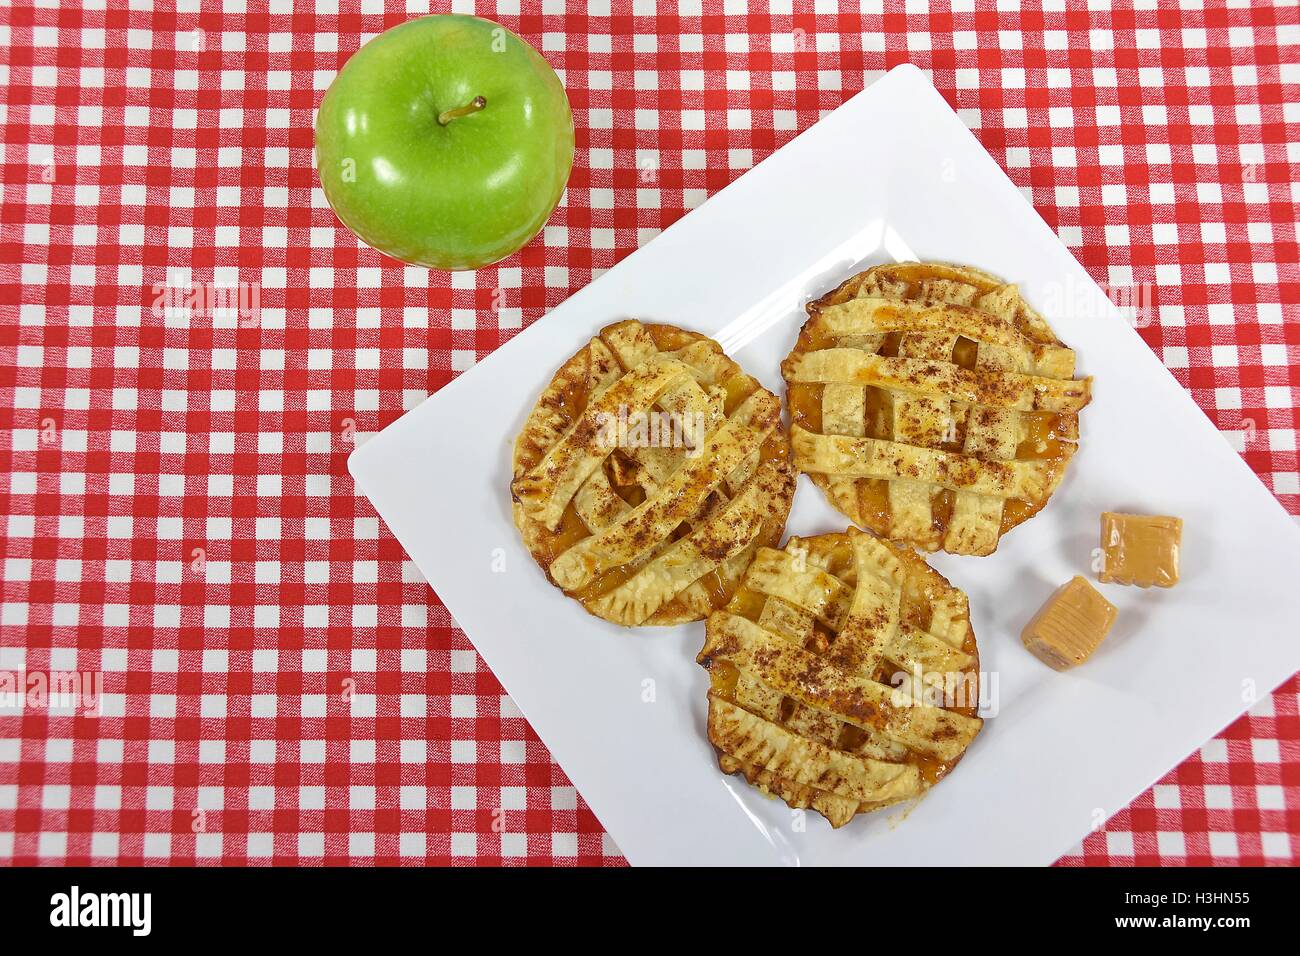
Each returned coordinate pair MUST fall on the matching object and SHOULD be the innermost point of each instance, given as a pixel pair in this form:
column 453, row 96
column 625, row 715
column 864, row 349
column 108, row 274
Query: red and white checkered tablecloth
column 280, row 686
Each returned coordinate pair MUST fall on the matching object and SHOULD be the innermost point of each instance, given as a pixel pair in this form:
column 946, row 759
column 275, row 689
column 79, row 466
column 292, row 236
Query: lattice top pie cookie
column 933, row 405
column 844, row 675
column 648, row 473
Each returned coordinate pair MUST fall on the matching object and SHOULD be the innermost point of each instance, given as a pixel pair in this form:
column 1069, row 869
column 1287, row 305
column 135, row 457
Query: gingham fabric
column 280, row 685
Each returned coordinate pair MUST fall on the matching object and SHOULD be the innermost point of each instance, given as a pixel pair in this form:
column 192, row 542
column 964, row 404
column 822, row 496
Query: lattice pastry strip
column 650, row 470
column 932, row 405
column 806, row 664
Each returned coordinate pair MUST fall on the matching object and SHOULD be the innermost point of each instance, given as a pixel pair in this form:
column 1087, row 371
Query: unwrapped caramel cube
column 1140, row 549
column 1070, row 626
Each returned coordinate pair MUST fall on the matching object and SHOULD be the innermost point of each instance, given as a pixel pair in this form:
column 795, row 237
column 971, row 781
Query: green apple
column 445, row 141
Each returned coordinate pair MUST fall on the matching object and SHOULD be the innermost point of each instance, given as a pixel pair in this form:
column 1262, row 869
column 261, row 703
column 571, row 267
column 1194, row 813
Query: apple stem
column 473, row 106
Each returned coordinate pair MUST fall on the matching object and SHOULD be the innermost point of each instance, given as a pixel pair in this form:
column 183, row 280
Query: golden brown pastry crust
column 819, row 666
column 932, row 405
column 648, row 473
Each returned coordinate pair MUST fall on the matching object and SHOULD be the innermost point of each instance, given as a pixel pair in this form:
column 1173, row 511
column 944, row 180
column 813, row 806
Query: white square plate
column 892, row 174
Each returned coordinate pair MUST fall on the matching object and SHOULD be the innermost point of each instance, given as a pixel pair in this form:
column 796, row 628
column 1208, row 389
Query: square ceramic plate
column 892, row 174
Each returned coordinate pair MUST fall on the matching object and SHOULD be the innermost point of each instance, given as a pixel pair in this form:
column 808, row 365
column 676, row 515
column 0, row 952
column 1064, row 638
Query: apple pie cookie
column 932, row 405
column 844, row 675
column 649, row 472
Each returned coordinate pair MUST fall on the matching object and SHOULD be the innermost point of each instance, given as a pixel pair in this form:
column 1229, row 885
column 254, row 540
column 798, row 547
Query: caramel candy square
column 1140, row 549
column 1070, row 626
